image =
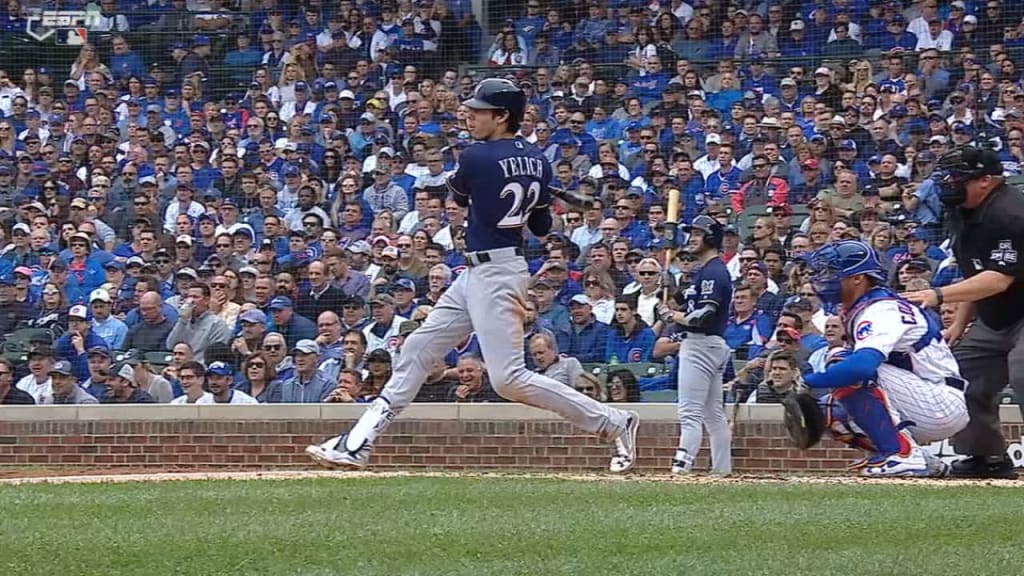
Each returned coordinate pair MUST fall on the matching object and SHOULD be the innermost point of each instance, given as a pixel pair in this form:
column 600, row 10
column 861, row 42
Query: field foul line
column 695, row 479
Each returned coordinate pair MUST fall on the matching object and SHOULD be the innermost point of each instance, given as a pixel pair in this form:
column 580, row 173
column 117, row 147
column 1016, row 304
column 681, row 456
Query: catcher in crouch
column 900, row 385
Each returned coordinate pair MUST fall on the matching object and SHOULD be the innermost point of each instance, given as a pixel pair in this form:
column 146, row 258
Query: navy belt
column 483, row 257
column 958, row 383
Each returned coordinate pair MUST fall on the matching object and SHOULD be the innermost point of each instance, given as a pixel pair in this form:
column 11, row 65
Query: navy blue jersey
column 711, row 283
column 505, row 183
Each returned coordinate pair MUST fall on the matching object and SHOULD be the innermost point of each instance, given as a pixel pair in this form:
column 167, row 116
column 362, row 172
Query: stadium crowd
column 278, row 242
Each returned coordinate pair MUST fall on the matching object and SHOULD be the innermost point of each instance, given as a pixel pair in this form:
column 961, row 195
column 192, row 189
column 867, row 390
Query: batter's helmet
column 837, row 260
column 499, row 94
column 713, row 231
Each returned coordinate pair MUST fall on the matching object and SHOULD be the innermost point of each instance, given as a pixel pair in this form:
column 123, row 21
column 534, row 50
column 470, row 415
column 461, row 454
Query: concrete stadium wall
column 434, row 436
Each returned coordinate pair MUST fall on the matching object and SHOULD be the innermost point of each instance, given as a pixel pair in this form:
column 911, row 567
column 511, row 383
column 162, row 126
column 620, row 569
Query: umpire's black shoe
column 983, row 467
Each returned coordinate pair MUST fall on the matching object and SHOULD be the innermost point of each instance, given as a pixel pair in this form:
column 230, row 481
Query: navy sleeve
column 457, row 184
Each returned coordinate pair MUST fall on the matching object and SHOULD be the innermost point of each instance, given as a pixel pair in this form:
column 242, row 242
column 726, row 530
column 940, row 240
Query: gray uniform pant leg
column 444, row 328
column 989, row 360
column 495, row 296
column 702, row 361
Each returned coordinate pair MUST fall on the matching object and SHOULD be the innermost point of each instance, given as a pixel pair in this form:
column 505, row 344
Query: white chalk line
column 692, row 479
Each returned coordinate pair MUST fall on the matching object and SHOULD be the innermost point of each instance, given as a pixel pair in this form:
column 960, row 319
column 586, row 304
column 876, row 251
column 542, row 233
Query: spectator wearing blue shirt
column 897, row 36
column 74, row 345
column 757, row 80
column 123, row 62
column 588, row 338
column 111, row 329
column 795, row 45
column 630, row 339
column 653, row 81
column 530, row 26
column 923, row 203
column 747, row 326
column 726, row 179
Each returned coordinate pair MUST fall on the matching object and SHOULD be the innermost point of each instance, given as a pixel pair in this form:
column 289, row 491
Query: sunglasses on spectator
column 272, row 347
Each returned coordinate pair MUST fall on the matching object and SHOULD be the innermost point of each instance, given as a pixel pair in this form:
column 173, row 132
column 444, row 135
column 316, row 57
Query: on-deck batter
column 504, row 182
column 703, row 353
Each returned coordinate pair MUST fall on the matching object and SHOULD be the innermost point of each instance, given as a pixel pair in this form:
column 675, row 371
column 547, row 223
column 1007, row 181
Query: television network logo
column 73, row 26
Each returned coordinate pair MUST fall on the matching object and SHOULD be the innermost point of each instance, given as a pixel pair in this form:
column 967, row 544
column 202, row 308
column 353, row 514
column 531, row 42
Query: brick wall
column 448, row 437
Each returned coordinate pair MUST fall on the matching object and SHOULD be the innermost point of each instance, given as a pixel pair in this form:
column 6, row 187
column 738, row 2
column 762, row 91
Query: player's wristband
column 938, row 296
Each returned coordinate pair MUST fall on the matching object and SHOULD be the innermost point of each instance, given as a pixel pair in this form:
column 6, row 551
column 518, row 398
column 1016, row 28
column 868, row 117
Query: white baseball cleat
column 625, row 445
column 913, row 464
column 327, row 456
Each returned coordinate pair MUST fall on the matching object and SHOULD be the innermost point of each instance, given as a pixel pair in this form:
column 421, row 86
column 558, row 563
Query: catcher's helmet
column 499, row 94
column 837, row 260
column 713, row 231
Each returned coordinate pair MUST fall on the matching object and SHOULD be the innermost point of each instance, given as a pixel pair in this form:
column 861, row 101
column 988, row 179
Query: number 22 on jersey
column 523, row 201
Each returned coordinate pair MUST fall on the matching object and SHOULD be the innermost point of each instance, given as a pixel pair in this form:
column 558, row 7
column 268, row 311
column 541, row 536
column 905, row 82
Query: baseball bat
column 671, row 217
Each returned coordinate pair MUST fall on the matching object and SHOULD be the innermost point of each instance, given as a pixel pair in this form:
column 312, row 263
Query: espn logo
column 71, row 28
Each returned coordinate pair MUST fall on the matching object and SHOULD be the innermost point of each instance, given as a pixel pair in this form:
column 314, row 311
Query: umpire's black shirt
column 990, row 237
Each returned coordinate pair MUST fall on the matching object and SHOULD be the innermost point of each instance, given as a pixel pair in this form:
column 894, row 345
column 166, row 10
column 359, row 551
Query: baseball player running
column 504, row 182
column 900, row 385
column 703, row 353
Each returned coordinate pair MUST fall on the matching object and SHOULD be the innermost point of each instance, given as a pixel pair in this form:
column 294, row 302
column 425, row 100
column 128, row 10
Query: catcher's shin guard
column 868, row 408
column 842, row 428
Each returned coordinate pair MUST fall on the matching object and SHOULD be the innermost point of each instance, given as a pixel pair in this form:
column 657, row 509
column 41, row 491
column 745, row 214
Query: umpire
column 987, row 224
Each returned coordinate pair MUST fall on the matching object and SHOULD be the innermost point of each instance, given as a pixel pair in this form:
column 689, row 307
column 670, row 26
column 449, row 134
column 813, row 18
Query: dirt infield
column 695, row 479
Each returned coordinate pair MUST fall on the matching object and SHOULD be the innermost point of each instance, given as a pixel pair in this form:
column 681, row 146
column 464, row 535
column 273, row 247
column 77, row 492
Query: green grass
column 508, row 526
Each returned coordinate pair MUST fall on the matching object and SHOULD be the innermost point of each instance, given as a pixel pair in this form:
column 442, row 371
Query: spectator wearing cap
column 381, row 332
column 896, row 36
column 122, row 389
column 37, row 383
column 302, row 105
column 588, row 338
column 554, row 314
column 756, row 276
column 197, row 325
column 196, row 61
column 147, row 380
column 183, row 202
column 921, row 199
column 104, row 324
column 79, row 339
column 385, row 194
column 65, row 385
column 99, row 363
column 404, row 293
column 219, row 379
column 287, row 322
column 762, row 189
column 308, row 384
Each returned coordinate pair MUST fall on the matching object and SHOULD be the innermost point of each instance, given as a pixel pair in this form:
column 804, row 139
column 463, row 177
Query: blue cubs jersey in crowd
column 711, row 283
column 504, row 181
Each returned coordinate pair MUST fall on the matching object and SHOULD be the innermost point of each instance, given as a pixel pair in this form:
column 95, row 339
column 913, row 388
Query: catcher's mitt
column 803, row 418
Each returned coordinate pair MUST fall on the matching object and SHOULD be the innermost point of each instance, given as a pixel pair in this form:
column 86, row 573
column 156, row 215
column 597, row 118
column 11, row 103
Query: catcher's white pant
column 936, row 411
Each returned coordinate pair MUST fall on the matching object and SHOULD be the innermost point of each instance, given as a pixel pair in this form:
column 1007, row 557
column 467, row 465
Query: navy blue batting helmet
column 713, row 230
column 499, row 94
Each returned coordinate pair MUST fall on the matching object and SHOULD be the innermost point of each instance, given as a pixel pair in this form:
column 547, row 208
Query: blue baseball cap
column 290, row 170
column 220, row 369
column 254, row 316
column 301, row 86
column 848, row 145
column 405, row 284
column 114, row 265
column 280, row 303
column 200, row 40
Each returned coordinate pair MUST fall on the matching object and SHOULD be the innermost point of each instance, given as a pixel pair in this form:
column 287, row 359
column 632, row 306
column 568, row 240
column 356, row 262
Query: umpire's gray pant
column 989, row 359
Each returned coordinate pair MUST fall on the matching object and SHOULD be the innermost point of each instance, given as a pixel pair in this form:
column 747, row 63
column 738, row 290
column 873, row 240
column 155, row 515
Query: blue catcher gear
column 713, row 231
column 499, row 94
column 837, row 260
